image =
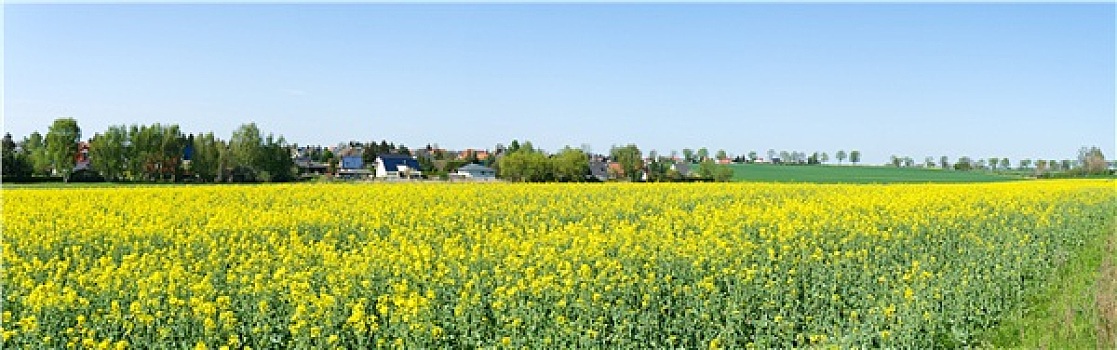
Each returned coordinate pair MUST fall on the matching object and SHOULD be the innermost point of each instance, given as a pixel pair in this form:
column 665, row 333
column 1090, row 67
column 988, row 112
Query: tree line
column 150, row 153
column 1090, row 161
column 163, row 153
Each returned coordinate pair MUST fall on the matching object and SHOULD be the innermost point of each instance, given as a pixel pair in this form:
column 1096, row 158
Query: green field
column 856, row 174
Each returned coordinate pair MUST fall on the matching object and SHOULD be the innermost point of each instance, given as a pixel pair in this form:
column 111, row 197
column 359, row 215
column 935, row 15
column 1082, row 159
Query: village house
column 353, row 167
column 396, row 167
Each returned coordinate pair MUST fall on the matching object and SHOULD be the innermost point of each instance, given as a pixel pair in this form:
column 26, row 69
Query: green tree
column 206, row 162
column 1025, row 163
column 688, row 155
column 944, row 162
column 35, row 149
column 172, row 145
column 570, row 164
column 369, row 154
column 964, row 163
column 108, row 152
column 631, row 160
column 275, row 163
column 246, row 147
column 1005, row 164
column 721, row 155
column 62, row 145
column 825, row 158
column 703, row 154
column 854, row 156
column 15, row 164
column 752, row 156
column 841, row 155
column 1092, row 160
column 659, row 169
column 723, row 173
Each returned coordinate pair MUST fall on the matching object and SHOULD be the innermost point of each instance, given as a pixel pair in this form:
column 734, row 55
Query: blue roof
column 393, row 161
column 352, row 162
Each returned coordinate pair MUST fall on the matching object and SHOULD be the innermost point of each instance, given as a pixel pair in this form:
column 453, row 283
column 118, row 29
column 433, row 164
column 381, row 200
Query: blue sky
column 1005, row 80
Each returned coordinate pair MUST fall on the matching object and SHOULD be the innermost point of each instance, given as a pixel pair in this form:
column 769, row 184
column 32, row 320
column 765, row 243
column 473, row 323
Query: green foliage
column 857, row 174
column 631, row 160
column 570, row 164
column 15, row 164
column 659, row 170
column 206, row 162
column 854, row 156
column 524, row 164
column 1071, row 311
column 108, row 152
column 155, row 152
column 275, row 161
column 62, row 145
column 246, row 146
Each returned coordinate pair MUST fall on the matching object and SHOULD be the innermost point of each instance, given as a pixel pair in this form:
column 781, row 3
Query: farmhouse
column 397, row 166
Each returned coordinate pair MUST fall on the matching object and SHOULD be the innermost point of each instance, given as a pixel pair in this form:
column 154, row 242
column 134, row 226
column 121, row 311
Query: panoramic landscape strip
column 538, row 265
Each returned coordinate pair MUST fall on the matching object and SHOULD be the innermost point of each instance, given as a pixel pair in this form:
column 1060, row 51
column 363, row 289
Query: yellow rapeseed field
column 532, row 265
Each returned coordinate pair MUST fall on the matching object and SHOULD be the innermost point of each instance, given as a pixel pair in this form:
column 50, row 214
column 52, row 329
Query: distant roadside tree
column 771, row 154
column 895, row 161
column 688, row 155
column 944, row 162
column 702, row 154
column 964, row 163
column 929, row 162
column 1005, row 164
column 1094, row 161
column 841, row 155
column 752, row 156
column 854, row 156
column 825, row 158
column 1025, row 163
column 709, row 170
column 908, row 162
column 994, row 162
column 721, row 155
column 62, row 145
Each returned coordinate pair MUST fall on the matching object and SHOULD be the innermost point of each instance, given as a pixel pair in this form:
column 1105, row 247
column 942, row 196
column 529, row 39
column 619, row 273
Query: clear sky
column 1005, row 80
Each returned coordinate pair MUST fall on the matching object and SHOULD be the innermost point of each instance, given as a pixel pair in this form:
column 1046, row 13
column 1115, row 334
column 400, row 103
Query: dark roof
column 393, row 161
column 683, row 168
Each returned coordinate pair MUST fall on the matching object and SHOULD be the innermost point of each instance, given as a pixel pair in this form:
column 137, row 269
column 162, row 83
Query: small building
column 682, row 168
column 475, row 172
column 309, row 167
column 352, row 162
column 353, row 167
column 397, row 166
column 599, row 170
